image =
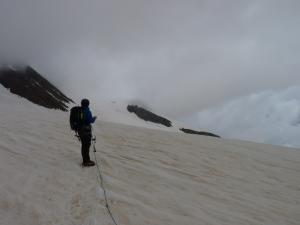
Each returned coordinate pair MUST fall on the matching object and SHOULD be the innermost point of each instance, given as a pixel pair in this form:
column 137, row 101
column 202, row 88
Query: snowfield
column 152, row 177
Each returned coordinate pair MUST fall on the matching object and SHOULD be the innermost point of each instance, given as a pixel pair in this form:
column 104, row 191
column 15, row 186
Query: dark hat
column 85, row 102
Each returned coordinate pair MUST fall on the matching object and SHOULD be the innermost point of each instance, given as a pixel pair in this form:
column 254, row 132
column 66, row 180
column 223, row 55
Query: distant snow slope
column 116, row 112
column 152, row 177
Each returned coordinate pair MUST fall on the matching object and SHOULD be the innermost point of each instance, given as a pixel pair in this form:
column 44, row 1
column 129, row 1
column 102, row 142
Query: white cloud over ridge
column 266, row 117
column 177, row 57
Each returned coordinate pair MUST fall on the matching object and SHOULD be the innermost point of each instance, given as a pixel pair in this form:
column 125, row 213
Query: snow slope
column 151, row 176
column 116, row 112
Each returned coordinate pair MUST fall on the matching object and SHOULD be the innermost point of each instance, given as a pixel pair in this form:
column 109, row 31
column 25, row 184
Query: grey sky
column 178, row 57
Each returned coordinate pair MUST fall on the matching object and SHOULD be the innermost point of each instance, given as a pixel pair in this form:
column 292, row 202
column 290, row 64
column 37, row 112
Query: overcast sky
column 178, row 57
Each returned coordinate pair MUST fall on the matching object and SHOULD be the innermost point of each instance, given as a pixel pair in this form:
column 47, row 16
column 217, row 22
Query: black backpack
column 76, row 118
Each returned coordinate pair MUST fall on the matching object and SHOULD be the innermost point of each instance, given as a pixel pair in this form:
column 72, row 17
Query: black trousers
column 85, row 135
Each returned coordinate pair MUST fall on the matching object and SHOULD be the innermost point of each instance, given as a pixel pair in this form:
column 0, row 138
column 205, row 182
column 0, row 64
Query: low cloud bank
column 268, row 117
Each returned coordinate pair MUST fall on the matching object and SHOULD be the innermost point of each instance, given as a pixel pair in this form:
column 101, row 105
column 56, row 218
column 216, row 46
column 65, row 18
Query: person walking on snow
column 85, row 133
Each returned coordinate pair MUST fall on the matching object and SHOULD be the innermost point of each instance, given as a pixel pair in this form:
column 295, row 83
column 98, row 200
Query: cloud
column 178, row 57
column 267, row 117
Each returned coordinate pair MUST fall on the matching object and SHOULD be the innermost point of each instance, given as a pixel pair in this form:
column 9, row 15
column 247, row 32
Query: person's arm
column 90, row 118
column 94, row 119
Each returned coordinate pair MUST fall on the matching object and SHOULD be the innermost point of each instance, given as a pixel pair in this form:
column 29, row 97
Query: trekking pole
column 93, row 139
column 94, row 142
column 77, row 135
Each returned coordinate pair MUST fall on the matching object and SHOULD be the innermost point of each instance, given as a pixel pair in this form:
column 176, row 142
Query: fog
column 177, row 57
column 266, row 117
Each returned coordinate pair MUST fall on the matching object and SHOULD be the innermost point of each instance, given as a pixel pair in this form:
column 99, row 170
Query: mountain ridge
column 29, row 84
column 26, row 82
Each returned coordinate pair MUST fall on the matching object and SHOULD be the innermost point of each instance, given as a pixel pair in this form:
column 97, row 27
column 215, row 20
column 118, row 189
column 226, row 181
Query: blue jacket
column 87, row 116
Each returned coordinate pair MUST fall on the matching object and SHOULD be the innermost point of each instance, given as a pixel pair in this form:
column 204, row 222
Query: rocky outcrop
column 29, row 84
column 148, row 116
column 189, row 131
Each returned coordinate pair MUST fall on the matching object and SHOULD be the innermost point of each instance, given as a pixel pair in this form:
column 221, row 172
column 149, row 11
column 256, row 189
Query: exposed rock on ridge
column 148, row 116
column 29, row 84
column 189, row 131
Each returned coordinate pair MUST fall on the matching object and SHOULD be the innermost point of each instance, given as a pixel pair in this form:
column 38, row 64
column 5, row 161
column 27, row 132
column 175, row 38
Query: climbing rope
column 100, row 180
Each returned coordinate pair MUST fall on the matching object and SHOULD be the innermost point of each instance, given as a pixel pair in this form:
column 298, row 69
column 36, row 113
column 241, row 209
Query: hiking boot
column 89, row 163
